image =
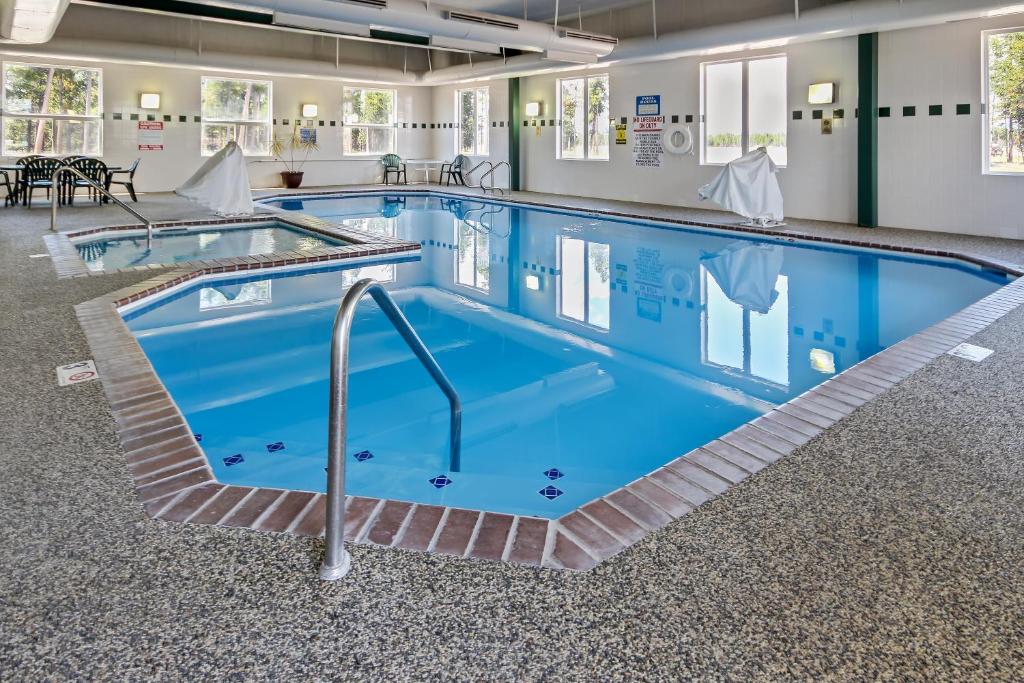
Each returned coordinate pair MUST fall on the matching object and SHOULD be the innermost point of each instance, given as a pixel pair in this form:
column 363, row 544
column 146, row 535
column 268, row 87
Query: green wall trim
column 867, row 130
column 514, row 125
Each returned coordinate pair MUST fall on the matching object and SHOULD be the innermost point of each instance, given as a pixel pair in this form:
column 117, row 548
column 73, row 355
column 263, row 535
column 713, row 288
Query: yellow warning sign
column 620, row 133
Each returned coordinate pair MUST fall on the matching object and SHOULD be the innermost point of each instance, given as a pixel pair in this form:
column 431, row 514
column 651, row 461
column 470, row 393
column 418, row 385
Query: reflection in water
column 585, row 281
column 234, row 295
column 472, row 256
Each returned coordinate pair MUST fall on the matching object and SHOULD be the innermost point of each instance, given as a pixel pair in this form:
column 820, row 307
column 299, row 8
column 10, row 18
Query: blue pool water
column 196, row 243
column 587, row 351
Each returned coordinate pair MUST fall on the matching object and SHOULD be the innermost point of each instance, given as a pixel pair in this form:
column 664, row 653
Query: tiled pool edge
column 68, row 263
column 174, row 481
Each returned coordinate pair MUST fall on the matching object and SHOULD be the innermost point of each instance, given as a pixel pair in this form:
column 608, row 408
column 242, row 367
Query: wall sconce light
column 823, row 361
column 149, row 100
column 533, row 109
column 533, row 282
column 821, row 93
column 309, row 111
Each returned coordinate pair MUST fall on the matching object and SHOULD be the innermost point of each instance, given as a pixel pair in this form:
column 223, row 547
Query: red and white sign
column 151, row 136
column 647, row 149
column 76, row 373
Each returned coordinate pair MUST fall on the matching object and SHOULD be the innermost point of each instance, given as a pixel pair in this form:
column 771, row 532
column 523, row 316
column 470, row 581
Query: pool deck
column 889, row 546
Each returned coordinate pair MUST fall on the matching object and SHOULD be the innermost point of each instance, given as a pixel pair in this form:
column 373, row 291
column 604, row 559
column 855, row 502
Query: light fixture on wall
column 533, row 282
column 533, row 109
column 309, row 111
column 149, row 100
column 821, row 93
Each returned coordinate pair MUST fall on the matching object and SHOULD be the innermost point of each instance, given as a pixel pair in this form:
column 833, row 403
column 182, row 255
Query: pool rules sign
column 151, row 136
column 647, row 149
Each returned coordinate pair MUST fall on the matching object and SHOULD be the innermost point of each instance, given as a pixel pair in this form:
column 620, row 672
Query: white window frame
column 473, row 243
column 479, row 150
column 236, row 122
column 586, row 320
column 98, row 116
column 586, row 118
column 390, row 125
column 986, row 126
column 744, row 105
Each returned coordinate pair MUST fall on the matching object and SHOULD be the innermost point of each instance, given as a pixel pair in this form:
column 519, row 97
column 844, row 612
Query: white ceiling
column 539, row 10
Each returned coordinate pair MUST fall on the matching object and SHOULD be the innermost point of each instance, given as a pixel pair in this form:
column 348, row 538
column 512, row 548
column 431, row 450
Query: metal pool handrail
column 490, row 173
column 55, row 179
column 336, row 561
column 469, row 173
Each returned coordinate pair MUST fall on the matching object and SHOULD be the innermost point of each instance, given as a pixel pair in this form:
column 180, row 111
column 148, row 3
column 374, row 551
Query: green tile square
column 910, row 111
column 884, row 112
column 963, row 110
column 934, row 110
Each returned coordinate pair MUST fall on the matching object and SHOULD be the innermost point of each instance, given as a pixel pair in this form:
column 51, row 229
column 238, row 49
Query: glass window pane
column 483, row 116
column 355, row 139
column 76, row 137
column 380, row 140
column 571, row 278
column 769, row 338
column 28, row 136
column 723, row 320
column 597, row 117
column 366, row 105
column 216, row 135
column 227, row 99
column 32, row 89
column 598, row 285
column 1006, row 103
column 572, row 113
column 766, row 82
column 467, row 121
column 723, row 112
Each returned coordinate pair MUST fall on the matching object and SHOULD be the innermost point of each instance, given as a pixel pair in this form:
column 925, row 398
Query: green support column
column 867, row 131
column 515, row 121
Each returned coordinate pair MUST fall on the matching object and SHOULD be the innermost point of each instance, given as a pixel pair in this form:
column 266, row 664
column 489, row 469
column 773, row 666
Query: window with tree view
column 239, row 110
column 369, row 121
column 52, row 110
column 1005, row 149
column 472, row 106
column 744, row 105
column 583, row 118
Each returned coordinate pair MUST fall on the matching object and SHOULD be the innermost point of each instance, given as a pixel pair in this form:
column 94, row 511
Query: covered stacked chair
column 93, row 169
column 37, row 174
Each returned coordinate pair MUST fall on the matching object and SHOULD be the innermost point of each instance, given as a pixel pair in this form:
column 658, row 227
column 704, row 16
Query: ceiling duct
column 482, row 19
column 30, row 21
column 376, row 4
column 587, row 35
column 314, row 24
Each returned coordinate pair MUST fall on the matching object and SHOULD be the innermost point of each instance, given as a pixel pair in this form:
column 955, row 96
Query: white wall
column 930, row 167
column 819, row 181
column 180, row 96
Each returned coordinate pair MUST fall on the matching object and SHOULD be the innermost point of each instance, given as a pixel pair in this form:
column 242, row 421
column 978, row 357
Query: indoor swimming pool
column 587, row 351
column 114, row 250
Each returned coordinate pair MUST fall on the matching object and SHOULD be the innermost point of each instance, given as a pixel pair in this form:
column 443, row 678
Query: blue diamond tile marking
column 440, row 481
column 550, row 492
column 554, row 473
column 275, row 447
column 363, row 456
column 197, row 437
column 234, row 459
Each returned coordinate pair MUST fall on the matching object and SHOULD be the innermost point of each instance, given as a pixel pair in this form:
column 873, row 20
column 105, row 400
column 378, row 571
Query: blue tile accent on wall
column 550, row 492
column 798, row 331
column 819, row 336
column 440, row 481
column 934, row 110
column 840, row 342
column 554, row 473
column 963, row 110
column 884, row 112
column 363, row 456
column 817, row 114
column 838, row 113
column 798, row 115
column 275, row 447
column 910, row 111
column 234, row 459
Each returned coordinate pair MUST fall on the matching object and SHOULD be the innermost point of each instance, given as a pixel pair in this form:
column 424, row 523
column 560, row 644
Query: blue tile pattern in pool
column 124, row 249
column 560, row 331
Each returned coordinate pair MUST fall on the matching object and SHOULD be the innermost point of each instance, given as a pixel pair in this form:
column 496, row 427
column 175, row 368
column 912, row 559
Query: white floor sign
column 76, row 373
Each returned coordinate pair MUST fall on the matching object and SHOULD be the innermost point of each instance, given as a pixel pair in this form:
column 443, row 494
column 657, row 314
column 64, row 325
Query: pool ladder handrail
column 490, row 174
column 469, row 173
column 337, row 562
column 55, row 180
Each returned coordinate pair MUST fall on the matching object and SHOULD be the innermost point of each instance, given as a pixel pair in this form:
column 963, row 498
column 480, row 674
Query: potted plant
column 293, row 152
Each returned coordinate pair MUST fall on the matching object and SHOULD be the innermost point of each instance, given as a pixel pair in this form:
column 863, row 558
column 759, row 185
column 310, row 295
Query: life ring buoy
column 677, row 139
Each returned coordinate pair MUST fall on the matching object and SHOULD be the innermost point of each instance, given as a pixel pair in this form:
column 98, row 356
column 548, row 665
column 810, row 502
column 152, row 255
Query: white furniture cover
column 222, row 183
column 748, row 186
column 746, row 273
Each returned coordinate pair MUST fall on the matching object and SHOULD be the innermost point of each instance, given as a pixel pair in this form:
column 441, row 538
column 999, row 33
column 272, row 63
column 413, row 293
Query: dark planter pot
column 291, row 180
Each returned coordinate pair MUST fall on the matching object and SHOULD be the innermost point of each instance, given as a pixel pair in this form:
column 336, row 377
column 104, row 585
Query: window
column 52, row 110
column 472, row 257
column 1004, row 151
column 239, row 110
column 369, row 121
column 583, row 118
column 473, row 121
column 584, row 282
column 755, row 344
column 744, row 105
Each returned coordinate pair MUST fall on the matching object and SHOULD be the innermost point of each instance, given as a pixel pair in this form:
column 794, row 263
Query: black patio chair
column 36, row 175
column 93, row 169
column 453, row 171
column 11, row 198
column 394, row 164
column 129, row 183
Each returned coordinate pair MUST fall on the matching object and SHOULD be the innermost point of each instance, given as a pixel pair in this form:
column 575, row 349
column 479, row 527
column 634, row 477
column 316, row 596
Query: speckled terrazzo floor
column 889, row 548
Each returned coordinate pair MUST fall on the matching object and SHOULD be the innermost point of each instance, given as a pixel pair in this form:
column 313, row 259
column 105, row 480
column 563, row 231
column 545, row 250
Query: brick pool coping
column 68, row 263
column 174, row 482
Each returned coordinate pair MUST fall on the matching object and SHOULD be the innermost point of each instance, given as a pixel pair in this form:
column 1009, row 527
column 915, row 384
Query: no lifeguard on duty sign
column 76, row 373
